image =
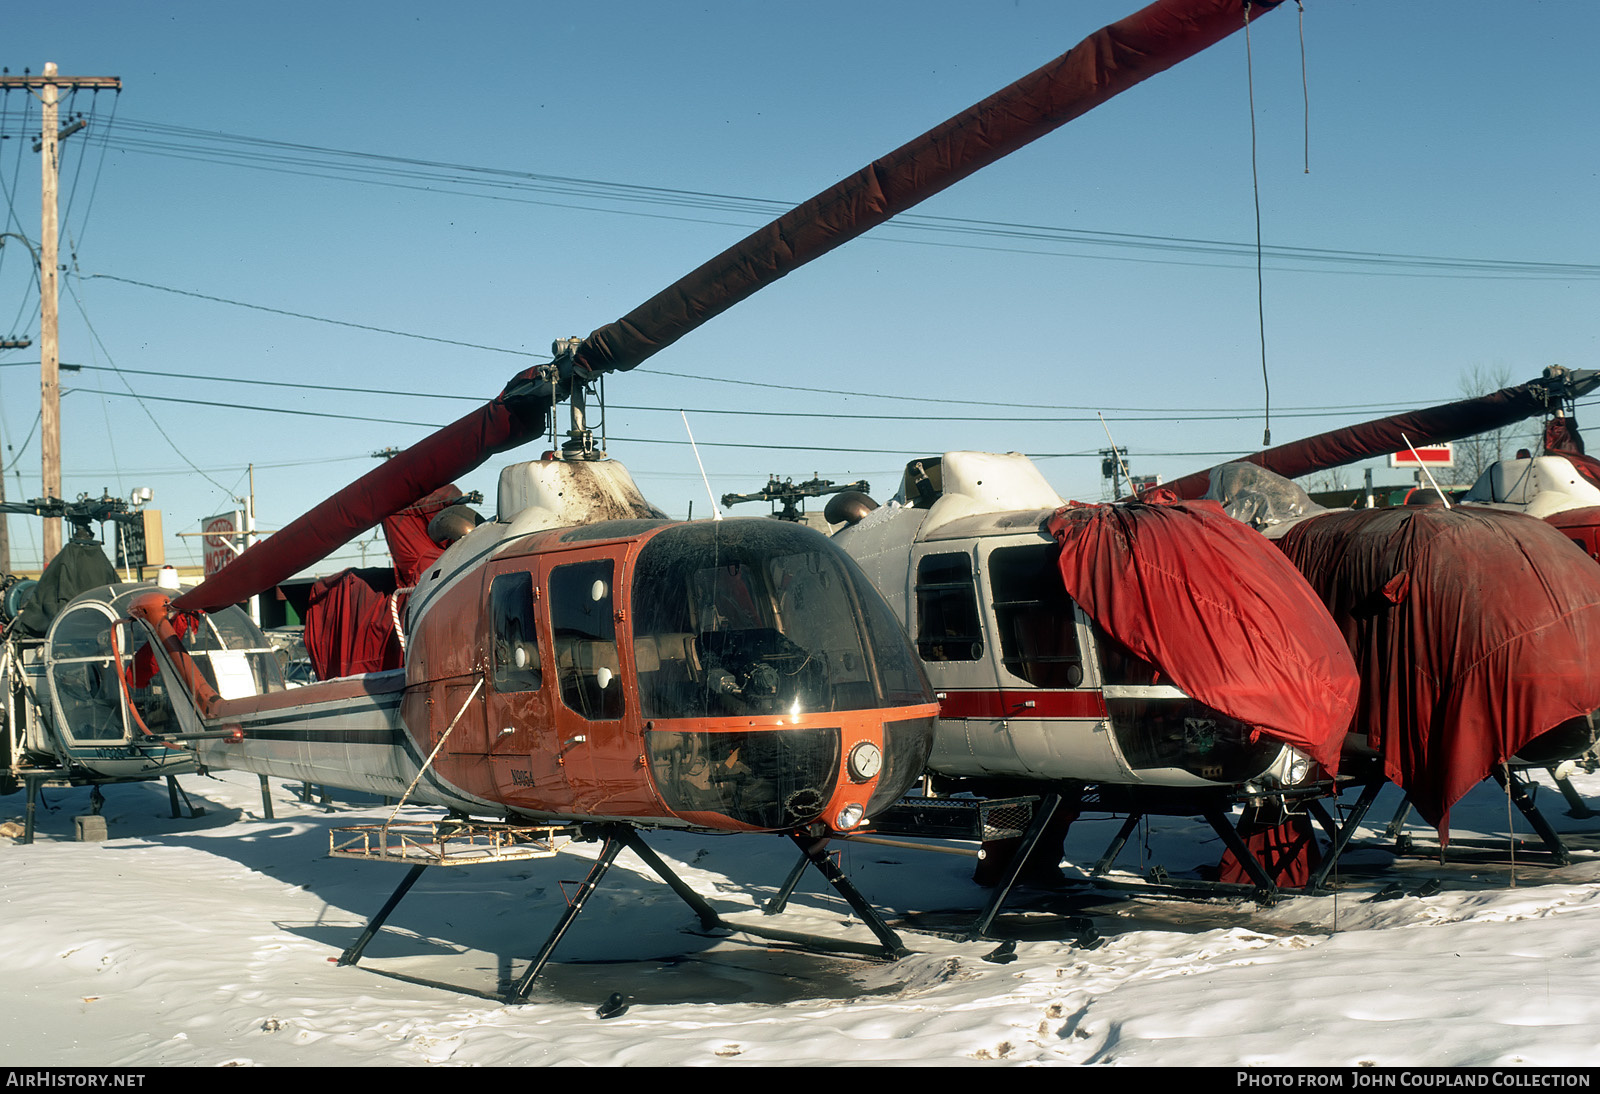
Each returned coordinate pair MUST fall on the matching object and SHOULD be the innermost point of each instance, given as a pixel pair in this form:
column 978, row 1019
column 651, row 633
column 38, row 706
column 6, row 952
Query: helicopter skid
column 478, row 843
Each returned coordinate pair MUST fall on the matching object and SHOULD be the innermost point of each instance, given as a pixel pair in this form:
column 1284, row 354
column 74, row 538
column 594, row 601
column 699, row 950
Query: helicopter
column 38, row 744
column 1469, row 622
column 579, row 661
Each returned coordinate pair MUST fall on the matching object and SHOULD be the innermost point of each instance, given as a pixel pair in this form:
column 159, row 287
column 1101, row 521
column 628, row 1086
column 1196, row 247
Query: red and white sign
column 219, row 546
column 1428, row 455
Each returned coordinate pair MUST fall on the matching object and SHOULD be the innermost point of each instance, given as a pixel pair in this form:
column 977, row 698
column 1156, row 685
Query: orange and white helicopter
column 578, row 659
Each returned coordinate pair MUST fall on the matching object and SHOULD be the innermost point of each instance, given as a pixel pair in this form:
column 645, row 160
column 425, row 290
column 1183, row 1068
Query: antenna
column 1424, row 469
column 1112, row 458
column 716, row 514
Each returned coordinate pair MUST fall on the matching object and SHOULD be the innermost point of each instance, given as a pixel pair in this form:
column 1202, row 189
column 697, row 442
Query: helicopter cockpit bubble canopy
column 230, row 651
column 739, row 622
column 108, row 696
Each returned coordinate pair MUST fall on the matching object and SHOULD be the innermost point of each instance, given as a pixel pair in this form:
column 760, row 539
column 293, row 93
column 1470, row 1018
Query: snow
column 212, row 942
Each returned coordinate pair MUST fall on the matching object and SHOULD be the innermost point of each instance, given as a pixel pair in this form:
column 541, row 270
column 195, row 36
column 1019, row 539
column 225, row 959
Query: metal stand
column 1340, row 835
column 1517, row 789
column 1577, row 808
column 619, row 836
column 174, row 792
column 32, row 783
column 1043, row 814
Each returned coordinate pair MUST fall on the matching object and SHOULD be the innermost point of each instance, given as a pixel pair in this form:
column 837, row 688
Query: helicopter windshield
column 742, row 617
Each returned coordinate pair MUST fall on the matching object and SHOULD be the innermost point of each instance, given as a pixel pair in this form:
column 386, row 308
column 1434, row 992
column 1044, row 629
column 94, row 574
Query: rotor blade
column 1107, row 62
column 1435, row 425
column 512, row 418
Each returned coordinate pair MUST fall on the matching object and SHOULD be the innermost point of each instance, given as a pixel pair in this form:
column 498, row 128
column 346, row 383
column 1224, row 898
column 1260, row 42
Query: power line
column 238, row 150
column 315, row 318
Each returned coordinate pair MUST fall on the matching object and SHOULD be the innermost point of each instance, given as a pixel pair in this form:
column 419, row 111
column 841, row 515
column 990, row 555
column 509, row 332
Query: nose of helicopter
column 836, row 769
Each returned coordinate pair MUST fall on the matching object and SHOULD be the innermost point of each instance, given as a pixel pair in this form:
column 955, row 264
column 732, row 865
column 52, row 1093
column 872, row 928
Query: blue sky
column 1458, row 129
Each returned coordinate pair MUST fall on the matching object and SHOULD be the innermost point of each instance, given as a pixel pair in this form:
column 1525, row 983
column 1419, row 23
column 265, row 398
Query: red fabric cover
column 145, row 666
column 1288, row 851
column 1561, row 436
column 1587, row 516
column 1337, row 447
column 1483, row 643
column 349, row 628
column 1109, row 61
column 1212, row 604
column 407, row 535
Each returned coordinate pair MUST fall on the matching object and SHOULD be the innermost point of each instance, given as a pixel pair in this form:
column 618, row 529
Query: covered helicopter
column 1472, row 625
column 579, row 659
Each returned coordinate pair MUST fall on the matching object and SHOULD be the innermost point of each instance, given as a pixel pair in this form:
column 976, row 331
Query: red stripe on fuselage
column 1022, row 704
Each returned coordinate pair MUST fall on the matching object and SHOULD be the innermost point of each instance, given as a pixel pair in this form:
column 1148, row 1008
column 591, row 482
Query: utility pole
column 49, row 86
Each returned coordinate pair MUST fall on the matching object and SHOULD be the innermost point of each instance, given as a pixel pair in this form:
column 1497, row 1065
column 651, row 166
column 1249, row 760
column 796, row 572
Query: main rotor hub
column 579, row 444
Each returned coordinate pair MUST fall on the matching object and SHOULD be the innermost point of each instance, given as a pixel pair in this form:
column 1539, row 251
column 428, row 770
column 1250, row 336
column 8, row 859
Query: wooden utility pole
column 49, row 86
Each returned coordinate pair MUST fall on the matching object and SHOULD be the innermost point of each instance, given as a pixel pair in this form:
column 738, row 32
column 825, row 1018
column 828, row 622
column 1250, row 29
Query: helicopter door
column 523, row 747
column 591, row 694
column 91, row 705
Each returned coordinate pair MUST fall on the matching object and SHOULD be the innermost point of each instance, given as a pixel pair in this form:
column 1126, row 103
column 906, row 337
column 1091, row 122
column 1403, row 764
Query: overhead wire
column 95, row 335
column 365, row 167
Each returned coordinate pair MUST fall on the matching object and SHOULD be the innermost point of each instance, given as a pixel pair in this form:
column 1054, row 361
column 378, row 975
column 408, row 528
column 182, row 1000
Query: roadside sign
column 221, row 533
column 1431, row 455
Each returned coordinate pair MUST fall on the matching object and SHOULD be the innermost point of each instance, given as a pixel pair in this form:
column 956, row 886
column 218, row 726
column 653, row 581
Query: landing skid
column 1551, row 848
column 972, row 819
column 615, row 838
column 34, row 781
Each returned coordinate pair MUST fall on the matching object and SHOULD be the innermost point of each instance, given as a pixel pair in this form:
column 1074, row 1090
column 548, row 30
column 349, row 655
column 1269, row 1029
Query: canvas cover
column 1349, row 444
column 79, row 566
column 349, row 628
column 1219, row 610
column 1473, row 629
column 406, row 533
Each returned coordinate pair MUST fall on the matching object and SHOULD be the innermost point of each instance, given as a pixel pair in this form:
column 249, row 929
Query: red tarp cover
column 1473, row 629
column 407, row 535
column 349, row 628
column 1219, row 610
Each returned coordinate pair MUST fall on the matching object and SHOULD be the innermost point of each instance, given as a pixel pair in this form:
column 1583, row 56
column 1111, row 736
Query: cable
column 314, row 318
column 345, row 165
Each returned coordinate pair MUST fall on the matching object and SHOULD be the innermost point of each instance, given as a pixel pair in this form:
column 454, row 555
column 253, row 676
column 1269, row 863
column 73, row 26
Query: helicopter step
column 451, row 843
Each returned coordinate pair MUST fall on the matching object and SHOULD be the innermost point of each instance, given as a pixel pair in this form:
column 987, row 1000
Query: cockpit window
column 1035, row 616
column 947, row 609
column 516, row 639
column 760, row 617
column 584, row 631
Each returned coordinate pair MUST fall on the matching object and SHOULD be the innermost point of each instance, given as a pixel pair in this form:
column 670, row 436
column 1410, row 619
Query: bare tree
column 1474, row 454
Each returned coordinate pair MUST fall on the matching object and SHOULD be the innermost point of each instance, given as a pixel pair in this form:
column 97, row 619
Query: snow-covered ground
column 212, row 942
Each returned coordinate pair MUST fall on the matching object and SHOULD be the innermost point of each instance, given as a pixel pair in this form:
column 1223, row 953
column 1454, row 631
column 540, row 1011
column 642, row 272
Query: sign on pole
column 221, row 538
column 1428, row 455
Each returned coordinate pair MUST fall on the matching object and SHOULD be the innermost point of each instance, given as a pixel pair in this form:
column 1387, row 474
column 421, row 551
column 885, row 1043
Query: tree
column 1473, row 455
